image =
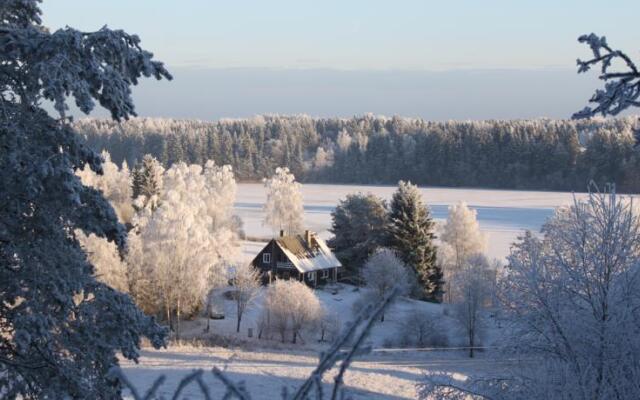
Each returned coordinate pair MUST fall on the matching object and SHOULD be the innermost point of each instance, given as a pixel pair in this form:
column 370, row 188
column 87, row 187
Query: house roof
column 307, row 257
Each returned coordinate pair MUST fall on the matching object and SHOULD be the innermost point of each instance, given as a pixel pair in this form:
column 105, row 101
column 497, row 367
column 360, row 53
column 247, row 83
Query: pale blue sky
column 397, row 36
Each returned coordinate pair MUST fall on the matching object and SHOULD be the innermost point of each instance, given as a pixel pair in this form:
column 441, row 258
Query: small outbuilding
column 305, row 258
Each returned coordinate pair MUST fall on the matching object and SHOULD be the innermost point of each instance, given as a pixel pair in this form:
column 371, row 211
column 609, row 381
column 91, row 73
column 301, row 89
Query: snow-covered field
column 503, row 214
column 379, row 375
column 266, row 366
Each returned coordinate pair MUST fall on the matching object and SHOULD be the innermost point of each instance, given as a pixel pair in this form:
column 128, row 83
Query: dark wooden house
column 306, row 258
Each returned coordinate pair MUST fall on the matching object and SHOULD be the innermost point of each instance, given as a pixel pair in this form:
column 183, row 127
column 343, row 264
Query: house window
column 266, row 258
column 311, row 276
column 325, row 274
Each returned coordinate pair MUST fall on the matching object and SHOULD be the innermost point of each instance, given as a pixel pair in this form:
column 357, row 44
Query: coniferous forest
column 513, row 154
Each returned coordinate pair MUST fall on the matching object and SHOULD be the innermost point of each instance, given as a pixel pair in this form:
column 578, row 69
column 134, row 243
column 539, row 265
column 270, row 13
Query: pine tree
column 147, row 183
column 410, row 233
column 60, row 328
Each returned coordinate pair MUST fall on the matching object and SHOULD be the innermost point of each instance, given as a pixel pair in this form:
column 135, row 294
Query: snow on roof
column 307, row 257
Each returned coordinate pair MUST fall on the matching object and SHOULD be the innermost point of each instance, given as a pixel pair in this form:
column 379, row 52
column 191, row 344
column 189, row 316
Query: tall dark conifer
column 411, row 234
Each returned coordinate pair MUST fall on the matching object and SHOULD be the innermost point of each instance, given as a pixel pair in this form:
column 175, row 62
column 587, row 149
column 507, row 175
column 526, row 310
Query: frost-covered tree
column 186, row 243
column 105, row 258
column 328, row 325
column 60, row 328
column 246, row 282
column 290, row 306
column 460, row 238
column 358, row 224
column 411, row 235
column 283, row 208
column 384, row 272
column 147, row 183
column 472, row 283
column 115, row 185
column 571, row 305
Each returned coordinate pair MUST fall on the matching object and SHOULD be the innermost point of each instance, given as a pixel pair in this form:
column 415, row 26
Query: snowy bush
column 329, row 326
column 421, row 329
column 384, row 272
column 290, row 308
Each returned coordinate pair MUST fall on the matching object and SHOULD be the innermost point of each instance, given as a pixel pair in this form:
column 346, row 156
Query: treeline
column 520, row 154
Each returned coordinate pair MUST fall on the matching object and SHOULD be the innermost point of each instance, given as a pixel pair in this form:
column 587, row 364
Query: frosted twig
column 232, row 388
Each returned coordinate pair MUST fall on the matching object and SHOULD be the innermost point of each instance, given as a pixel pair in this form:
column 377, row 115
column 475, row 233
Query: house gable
column 306, row 253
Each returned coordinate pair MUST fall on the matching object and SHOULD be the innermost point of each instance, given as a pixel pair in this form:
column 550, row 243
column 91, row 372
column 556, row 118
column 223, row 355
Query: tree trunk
column 471, row 343
column 238, row 323
column 178, row 322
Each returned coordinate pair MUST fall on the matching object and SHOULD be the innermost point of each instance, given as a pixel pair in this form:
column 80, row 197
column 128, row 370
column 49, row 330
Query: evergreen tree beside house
column 411, row 233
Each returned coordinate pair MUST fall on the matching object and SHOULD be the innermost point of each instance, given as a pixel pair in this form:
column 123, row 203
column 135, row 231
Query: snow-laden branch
column 618, row 71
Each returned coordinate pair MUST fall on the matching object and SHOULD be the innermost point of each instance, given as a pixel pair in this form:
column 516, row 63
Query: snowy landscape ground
column 389, row 372
column 265, row 366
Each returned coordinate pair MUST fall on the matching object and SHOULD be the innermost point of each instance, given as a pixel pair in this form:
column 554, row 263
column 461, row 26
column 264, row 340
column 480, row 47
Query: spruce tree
column 147, row 183
column 410, row 233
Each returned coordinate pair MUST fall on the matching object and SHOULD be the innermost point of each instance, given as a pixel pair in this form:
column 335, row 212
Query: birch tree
column 283, row 208
column 188, row 241
column 115, row 185
column 246, row 282
column 461, row 239
column 473, row 284
column 105, row 258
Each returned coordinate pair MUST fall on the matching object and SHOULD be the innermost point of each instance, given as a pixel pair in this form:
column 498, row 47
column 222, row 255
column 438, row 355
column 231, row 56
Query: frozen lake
column 502, row 214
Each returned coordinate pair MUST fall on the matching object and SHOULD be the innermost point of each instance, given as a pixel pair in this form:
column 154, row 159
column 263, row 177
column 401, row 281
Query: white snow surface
column 266, row 366
column 503, row 214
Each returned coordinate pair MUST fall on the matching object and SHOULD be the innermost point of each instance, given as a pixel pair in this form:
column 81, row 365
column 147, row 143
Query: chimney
column 281, row 232
column 307, row 237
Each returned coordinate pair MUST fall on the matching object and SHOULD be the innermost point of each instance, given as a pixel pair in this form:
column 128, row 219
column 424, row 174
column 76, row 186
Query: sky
column 457, row 59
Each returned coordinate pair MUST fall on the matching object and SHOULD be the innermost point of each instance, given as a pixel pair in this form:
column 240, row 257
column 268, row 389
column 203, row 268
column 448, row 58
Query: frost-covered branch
column 622, row 87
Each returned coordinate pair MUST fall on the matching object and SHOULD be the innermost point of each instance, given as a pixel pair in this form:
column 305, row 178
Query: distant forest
column 517, row 154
